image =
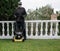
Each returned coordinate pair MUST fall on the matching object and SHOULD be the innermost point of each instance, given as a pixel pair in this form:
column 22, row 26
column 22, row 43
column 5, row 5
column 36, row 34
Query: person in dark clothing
column 58, row 18
column 19, row 15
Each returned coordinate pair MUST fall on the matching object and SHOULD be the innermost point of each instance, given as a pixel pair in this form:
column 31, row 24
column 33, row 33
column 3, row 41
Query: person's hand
column 15, row 16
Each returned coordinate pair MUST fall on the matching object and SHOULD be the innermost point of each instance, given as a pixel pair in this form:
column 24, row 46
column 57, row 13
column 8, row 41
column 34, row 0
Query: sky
column 33, row 4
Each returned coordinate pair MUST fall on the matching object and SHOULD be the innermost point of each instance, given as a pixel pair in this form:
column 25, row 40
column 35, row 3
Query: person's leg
column 24, row 34
column 59, row 28
column 22, row 24
column 24, row 31
column 14, row 28
column 17, row 26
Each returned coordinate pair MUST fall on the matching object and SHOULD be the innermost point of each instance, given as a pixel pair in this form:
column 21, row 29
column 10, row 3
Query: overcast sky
column 33, row 4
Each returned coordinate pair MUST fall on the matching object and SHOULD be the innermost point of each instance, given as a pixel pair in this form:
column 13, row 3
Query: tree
column 47, row 11
column 7, row 8
column 43, row 13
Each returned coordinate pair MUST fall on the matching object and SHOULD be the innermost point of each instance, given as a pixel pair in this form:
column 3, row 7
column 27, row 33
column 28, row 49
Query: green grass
column 30, row 45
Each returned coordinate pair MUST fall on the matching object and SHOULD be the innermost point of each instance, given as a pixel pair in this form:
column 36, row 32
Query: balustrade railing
column 35, row 29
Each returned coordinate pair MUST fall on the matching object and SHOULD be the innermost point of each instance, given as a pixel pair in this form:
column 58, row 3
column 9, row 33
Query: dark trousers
column 20, row 26
column 59, row 28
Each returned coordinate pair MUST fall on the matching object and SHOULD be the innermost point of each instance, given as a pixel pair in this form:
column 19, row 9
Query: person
column 20, row 14
column 58, row 18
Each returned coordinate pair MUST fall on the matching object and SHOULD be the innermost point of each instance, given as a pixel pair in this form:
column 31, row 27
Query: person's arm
column 15, row 13
column 24, row 13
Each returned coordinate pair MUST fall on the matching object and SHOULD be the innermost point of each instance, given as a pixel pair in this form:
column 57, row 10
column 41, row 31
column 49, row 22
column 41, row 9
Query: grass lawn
column 30, row 45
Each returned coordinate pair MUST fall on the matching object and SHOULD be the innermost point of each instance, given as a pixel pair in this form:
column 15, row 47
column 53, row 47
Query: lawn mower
column 19, row 34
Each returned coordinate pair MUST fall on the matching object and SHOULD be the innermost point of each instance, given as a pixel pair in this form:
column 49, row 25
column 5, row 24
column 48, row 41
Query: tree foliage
column 43, row 13
column 7, row 8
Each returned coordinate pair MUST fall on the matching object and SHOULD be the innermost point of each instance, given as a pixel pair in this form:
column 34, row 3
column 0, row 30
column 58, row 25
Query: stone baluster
column 41, row 28
column 7, row 28
column 31, row 28
column 3, row 29
column 36, row 28
column 46, row 29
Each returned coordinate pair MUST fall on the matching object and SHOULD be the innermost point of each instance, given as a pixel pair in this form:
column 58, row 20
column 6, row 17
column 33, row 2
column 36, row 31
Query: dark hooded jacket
column 20, row 13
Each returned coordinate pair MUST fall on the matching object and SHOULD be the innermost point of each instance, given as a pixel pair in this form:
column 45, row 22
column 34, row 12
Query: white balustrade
column 26, row 29
column 46, row 30
column 8, row 29
column 41, row 28
column 2, row 29
column 56, row 30
column 33, row 23
column 31, row 29
column 36, row 28
column 12, row 29
column 51, row 28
